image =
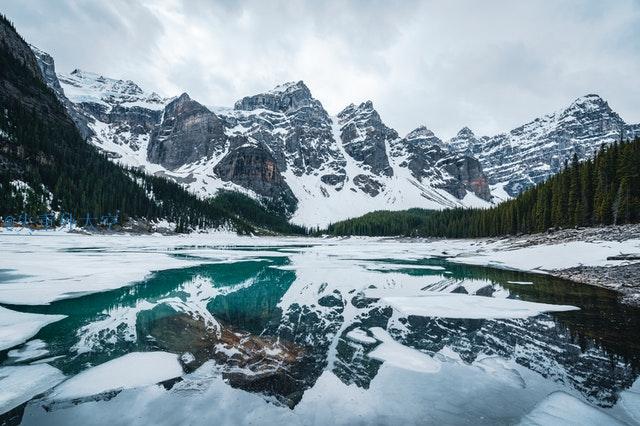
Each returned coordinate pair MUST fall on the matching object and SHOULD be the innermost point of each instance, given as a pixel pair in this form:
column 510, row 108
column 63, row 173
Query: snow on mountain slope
column 320, row 204
column 529, row 154
column 279, row 145
column 283, row 146
column 82, row 86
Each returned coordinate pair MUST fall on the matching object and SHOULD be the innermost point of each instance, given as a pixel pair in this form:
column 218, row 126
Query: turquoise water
column 597, row 347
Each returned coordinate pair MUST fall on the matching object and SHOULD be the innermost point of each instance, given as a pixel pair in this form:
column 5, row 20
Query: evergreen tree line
column 45, row 166
column 604, row 190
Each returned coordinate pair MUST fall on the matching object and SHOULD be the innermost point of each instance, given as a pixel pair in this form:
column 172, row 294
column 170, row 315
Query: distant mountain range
column 282, row 147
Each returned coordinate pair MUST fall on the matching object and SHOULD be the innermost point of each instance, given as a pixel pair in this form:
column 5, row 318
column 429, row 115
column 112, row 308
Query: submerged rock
column 249, row 362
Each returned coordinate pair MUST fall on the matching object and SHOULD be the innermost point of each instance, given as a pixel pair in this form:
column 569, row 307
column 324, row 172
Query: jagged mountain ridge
column 280, row 145
column 530, row 153
column 283, row 145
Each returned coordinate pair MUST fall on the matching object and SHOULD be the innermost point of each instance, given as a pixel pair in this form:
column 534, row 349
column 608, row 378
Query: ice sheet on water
column 560, row 409
column 129, row 371
column 18, row 327
column 21, row 383
column 498, row 368
column 32, row 349
column 454, row 305
column 630, row 401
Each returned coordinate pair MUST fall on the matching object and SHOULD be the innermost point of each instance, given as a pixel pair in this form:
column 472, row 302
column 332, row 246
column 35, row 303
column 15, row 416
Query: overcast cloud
column 489, row 65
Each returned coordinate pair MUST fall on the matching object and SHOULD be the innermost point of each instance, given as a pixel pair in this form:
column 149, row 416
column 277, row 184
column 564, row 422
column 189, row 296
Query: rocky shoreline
column 624, row 278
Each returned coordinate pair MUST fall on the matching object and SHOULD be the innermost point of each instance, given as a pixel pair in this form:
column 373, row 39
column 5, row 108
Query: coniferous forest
column 600, row 191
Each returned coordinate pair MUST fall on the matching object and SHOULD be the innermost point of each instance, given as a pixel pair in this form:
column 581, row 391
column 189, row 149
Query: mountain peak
column 422, row 136
column 285, row 98
column 420, row 132
column 589, row 102
column 290, row 86
column 465, row 132
column 84, row 86
column 184, row 97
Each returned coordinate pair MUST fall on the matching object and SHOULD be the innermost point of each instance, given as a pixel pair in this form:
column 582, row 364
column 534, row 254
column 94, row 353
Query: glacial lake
column 342, row 339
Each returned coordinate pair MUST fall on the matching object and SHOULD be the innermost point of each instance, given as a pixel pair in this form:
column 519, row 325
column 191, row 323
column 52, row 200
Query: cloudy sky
column 489, row 65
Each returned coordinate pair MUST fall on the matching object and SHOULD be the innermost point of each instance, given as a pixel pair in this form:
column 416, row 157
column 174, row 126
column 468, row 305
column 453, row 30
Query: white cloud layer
column 489, row 65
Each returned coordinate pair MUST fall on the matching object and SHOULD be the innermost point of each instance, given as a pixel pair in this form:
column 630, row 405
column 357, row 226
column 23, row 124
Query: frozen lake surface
column 218, row 329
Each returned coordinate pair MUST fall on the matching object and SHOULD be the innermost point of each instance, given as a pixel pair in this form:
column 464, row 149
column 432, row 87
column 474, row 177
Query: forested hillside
column 45, row 165
column 601, row 191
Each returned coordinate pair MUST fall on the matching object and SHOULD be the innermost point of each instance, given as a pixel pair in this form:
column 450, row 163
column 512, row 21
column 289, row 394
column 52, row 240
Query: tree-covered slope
column 601, row 191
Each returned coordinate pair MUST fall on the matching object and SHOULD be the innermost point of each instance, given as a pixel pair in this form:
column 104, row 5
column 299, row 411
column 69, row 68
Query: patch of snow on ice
column 32, row 349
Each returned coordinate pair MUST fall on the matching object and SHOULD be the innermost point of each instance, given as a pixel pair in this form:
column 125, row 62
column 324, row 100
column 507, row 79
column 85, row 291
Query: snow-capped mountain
column 282, row 147
column 279, row 146
column 529, row 154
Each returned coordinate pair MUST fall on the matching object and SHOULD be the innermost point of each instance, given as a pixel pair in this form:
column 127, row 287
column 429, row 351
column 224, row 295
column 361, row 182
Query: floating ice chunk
column 521, row 282
column 403, row 266
column 360, row 336
column 129, row 371
column 560, row 408
column 453, row 305
column 21, row 383
column 32, row 349
column 398, row 355
column 18, row 327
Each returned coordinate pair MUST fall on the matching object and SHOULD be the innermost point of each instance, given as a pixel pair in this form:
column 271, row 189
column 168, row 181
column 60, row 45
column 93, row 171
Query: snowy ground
column 48, row 266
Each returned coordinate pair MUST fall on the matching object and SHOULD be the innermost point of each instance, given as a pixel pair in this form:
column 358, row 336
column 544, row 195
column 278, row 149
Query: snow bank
column 547, row 257
column 20, row 384
column 454, row 305
column 129, row 371
column 18, row 327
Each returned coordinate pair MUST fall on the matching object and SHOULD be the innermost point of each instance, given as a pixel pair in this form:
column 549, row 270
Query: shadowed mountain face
column 186, row 133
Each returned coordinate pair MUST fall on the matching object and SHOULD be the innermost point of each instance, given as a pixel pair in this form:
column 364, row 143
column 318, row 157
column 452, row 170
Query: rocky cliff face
column 252, row 166
column 425, row 156
column 188, row 133
column 293, row 125
column 365, row 137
